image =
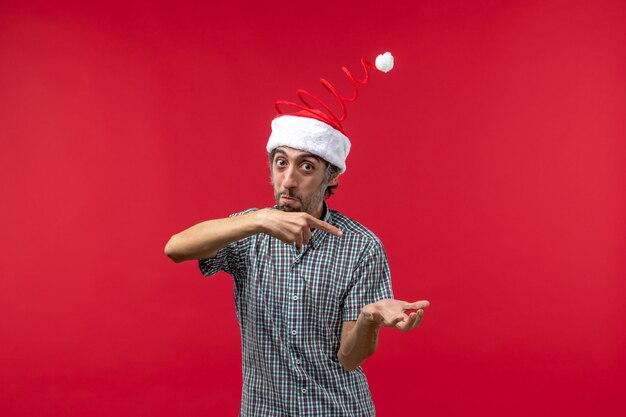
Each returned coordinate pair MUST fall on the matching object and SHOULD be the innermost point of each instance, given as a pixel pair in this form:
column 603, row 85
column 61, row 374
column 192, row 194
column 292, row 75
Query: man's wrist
column 257, row 223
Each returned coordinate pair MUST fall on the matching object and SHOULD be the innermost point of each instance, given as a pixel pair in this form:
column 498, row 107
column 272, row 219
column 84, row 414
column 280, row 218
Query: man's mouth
column 289, row 198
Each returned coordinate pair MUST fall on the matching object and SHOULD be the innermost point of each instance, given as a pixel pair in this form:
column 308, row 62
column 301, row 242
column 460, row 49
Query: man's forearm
column 205, row 239
column 358, row 344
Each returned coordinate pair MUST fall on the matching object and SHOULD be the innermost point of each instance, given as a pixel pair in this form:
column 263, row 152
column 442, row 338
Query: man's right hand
column 205, row 239
column 292, row 227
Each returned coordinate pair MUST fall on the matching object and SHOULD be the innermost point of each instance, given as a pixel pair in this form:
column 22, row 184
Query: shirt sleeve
column 371, row 282
column 231, row 259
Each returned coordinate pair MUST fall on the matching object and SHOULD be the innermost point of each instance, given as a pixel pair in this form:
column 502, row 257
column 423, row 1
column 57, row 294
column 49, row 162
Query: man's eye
column 307, row 167
column 280, row 162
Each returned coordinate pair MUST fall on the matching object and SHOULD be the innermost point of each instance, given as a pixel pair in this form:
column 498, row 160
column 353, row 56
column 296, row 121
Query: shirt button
column 295, row 298
column 293, row 332
column 304, row 390
column 298, row 362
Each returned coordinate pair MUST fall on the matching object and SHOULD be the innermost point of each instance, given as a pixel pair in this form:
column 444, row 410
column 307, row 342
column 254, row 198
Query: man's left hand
column 395, row 313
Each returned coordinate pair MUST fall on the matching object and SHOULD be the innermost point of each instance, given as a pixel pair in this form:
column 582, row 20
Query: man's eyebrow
column 310, row 155
column 301, row 156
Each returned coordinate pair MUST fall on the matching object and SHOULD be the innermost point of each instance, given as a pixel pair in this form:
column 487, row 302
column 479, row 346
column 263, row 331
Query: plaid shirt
column 291, row 307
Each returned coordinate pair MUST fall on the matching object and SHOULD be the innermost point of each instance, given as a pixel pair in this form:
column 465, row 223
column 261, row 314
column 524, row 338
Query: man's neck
column 320, row 213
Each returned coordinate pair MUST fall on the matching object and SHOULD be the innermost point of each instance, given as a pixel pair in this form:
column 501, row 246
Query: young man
column 312, row 287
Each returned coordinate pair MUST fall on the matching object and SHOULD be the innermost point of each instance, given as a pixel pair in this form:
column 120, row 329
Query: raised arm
column 205, row 239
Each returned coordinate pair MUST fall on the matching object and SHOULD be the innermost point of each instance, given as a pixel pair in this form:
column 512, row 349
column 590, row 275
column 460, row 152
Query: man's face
column 299, row 180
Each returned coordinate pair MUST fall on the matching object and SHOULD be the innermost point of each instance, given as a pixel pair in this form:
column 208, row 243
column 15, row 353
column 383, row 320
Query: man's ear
column 333, row 179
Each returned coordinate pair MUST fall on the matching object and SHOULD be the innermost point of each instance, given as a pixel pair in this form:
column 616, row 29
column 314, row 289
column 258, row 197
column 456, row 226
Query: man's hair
column 331, row 171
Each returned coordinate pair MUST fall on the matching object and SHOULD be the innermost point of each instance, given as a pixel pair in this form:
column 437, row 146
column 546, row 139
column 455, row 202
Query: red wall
column 490, row 162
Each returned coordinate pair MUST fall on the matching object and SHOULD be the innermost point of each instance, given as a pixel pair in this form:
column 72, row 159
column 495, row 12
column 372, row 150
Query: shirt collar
column 318, row 236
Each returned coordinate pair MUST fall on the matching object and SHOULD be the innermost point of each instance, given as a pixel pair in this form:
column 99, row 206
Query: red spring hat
column 313, row 127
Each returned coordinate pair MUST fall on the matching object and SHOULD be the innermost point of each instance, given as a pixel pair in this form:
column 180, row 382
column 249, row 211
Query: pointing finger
column 327, row 227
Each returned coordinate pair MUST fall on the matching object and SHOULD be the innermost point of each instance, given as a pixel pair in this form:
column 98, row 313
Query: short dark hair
column 331, row 171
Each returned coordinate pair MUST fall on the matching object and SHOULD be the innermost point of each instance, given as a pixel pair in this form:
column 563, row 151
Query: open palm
column 395, row 313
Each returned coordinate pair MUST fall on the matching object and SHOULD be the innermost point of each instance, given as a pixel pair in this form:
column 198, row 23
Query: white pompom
column 384, row 62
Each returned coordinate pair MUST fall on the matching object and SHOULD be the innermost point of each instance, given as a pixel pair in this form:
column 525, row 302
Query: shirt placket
column 298, row 330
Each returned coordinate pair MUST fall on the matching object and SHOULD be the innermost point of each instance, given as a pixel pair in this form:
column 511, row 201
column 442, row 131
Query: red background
column 490, row 162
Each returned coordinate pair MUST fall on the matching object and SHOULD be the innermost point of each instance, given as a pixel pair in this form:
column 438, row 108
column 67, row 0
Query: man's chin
column 289, row 209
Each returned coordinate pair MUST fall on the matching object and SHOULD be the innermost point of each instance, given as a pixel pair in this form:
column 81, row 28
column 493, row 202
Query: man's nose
column 290, row 180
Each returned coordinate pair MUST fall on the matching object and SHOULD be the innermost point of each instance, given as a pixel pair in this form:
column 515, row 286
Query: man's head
column 317, row 132
column 306, row 157
column 301, row 179
column 304, row 132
